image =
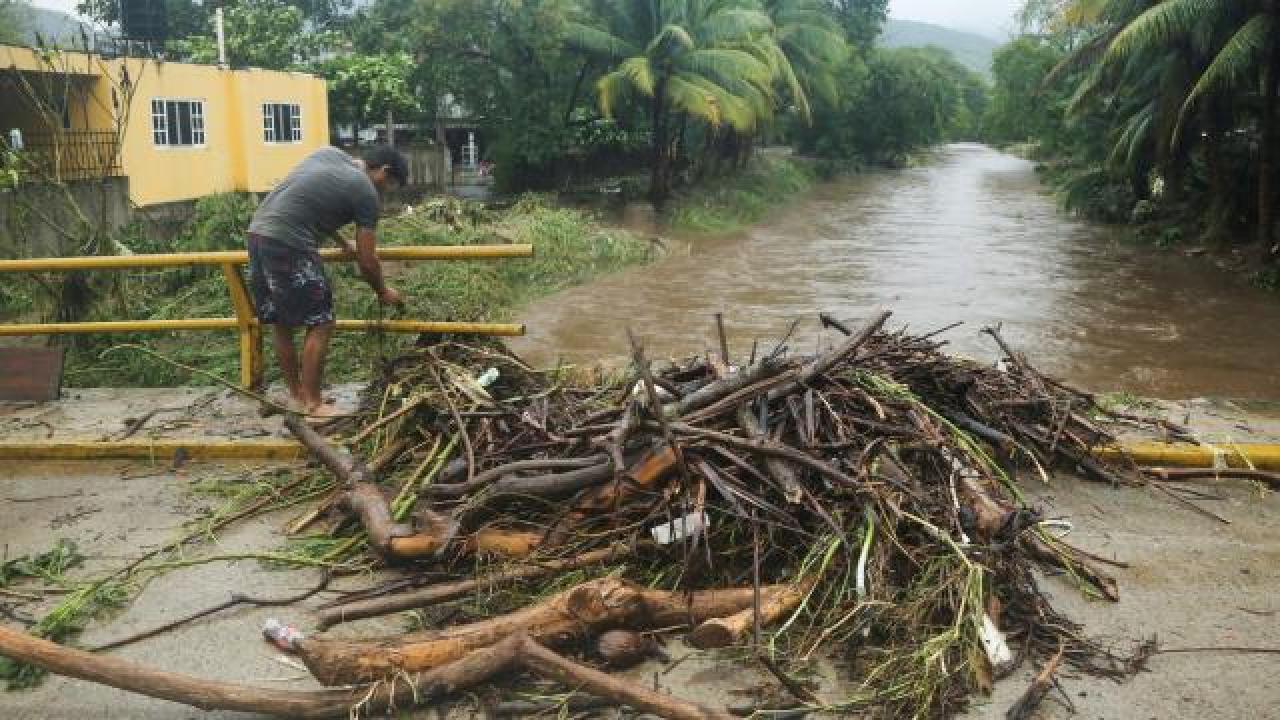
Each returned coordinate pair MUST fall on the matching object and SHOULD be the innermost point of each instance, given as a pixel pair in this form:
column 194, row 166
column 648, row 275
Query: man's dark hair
column 393, row 160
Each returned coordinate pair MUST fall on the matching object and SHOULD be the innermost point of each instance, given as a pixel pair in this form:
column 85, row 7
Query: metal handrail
column 246, row 321
column 241, row 257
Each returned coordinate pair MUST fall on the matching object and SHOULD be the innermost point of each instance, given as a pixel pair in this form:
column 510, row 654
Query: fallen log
column 427, row 596
column 571, row 615
column 475, row 668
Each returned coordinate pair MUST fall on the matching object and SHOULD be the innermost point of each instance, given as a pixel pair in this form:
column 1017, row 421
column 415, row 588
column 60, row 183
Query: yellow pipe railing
column 245, row 322
column 241, row 257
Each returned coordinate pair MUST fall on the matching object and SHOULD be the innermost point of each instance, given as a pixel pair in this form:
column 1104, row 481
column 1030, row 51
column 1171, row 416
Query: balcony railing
column 70, row 155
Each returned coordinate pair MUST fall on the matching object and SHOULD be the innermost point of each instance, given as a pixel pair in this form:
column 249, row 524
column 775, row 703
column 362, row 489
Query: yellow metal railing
column 246, row 322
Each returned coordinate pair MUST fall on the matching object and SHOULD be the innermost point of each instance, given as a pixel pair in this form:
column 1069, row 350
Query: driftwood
column 730, row 629
column 571, row 615
column 504, row 479
column 395, row 540
column 475, row 668
column 478, row 666
column 423, row 597
column 548, row 664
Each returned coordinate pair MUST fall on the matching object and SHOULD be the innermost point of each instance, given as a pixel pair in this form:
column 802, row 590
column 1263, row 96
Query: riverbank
column 1158, row 224
column 730, row 203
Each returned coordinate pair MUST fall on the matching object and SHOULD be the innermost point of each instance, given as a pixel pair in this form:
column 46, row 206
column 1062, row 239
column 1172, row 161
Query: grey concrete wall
column 36, row 219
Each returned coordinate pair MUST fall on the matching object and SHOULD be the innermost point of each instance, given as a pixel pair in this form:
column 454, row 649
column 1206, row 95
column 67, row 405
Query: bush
column 729, row 203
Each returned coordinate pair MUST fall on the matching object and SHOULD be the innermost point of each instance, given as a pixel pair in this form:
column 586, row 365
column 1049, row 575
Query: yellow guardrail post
column 251, row 366
column 246, row 322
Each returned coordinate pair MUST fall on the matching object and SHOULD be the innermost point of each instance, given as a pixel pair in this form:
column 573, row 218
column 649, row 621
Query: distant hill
column 972, row 50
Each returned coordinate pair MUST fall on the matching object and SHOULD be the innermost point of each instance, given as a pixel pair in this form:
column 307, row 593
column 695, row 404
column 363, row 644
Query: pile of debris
column 864, row 499
column 861, row 503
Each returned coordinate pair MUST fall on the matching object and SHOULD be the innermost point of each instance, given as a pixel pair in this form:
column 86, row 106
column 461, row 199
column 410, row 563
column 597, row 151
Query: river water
column 971, row 237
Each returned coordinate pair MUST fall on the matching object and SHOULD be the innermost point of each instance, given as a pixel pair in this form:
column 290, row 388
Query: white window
column 177, row 123
column 281, row 122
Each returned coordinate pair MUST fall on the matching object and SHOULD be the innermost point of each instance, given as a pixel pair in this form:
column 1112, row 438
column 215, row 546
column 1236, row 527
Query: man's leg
column 287, row 357
column 315, row 347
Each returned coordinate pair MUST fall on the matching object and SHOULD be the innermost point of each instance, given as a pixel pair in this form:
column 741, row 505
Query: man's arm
column 371, row 267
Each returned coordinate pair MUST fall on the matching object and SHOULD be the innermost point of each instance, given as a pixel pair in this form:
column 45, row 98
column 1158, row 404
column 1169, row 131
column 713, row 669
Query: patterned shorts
column 289, row 286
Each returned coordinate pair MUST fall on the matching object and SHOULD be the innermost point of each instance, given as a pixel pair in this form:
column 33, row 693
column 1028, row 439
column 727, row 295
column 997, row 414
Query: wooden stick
column 497, row 474
column 542, row 661
column 389, row 538
column 729, row 630
column 1178, row 474
column 782, row 471
column 1026, row 705
column 433, row 594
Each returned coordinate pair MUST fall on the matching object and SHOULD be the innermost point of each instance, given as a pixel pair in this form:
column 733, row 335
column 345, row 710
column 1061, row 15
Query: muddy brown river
column 971, row 237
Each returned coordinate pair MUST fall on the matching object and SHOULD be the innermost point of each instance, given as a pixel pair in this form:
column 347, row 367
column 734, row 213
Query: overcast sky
column 989, row 17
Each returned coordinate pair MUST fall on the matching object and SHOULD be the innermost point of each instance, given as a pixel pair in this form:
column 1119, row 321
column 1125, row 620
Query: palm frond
column 1159, row 26
column 671, row 38
column 732, row 24
column 1233, row 63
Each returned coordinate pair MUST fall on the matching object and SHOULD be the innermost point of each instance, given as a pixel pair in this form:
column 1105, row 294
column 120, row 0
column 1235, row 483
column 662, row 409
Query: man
column 326, row 191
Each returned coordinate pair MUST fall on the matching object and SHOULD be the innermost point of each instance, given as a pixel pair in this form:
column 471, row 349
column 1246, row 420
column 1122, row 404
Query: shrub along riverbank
column 744, row 198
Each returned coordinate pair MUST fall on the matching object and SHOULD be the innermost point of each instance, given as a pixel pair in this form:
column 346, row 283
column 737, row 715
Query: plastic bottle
column 487, row 379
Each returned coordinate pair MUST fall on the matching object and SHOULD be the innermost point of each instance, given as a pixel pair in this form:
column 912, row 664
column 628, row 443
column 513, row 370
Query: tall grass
column 730, row 203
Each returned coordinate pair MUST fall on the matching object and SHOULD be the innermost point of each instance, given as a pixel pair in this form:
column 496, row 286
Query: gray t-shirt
column 325, row 191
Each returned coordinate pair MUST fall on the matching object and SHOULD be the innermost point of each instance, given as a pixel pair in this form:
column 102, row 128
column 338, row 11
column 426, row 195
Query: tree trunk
column 660, row 178
column 577, row 90
column 391, row 128
column 1221, row 204
column 1267, row 150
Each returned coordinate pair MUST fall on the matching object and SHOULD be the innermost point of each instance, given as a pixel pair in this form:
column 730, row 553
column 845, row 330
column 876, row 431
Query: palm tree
column 713, row 61
column 1241, row 39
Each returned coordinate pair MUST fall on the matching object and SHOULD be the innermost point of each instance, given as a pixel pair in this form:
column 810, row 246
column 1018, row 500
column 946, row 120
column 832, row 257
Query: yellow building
column 183, row 131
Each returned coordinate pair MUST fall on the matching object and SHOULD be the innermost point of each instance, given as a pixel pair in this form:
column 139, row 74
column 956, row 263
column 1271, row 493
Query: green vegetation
column 1162, row 114
column 742, row 199
column 12, row 22
column 893, row 103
